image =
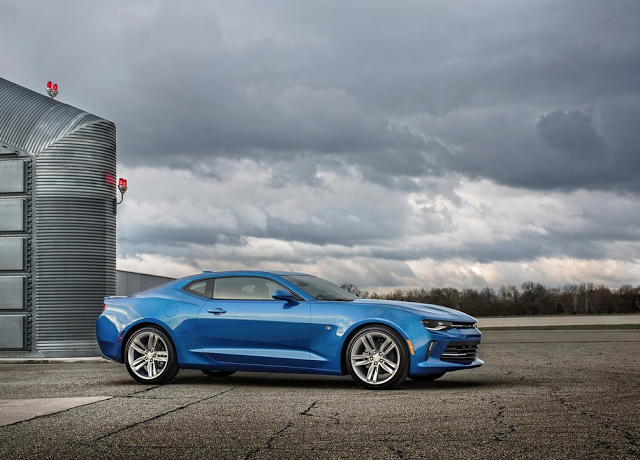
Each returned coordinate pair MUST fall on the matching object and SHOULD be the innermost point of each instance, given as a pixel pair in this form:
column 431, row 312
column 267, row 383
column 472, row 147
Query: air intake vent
column 460, row 352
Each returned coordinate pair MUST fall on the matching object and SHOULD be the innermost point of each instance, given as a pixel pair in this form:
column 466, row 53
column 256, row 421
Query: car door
column 243, row 324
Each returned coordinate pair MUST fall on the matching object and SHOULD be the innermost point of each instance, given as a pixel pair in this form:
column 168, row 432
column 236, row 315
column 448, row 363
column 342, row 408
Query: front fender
column 332, row 328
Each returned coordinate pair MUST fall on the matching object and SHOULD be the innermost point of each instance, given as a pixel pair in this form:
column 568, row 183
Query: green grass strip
column 580, row 327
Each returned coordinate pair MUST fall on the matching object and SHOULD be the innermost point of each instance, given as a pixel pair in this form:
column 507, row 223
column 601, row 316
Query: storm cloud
column 416, row 143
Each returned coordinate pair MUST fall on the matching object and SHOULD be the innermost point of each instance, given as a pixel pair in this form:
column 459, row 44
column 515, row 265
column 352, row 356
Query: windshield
column 318, row 288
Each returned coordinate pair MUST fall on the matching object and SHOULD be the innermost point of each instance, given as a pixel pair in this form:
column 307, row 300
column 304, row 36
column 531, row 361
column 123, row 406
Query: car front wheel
column 150, row 357
column 377, row 358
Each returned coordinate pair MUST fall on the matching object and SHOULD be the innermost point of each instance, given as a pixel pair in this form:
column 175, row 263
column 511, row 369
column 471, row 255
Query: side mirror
column 281, row 294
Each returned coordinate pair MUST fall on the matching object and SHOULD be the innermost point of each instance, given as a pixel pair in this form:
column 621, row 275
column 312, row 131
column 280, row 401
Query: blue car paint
column 250, row 331
column 272, row 335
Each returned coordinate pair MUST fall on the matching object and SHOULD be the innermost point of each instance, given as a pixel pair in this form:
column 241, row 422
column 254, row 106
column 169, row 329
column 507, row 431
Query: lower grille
column 460, row 352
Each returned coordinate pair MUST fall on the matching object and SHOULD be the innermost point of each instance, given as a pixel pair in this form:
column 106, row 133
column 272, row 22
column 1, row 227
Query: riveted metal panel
column 12, row 177
column 16, row 185
column 12, row 332
column 12, row 292
column 12, row 253
column 12, row 214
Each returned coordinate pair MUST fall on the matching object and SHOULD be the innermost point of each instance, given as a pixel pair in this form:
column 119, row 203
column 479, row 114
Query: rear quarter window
column 201, row 288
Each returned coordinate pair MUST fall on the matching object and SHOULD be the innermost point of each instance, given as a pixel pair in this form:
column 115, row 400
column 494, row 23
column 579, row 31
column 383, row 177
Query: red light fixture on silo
column 122, row 186
column 52, row 89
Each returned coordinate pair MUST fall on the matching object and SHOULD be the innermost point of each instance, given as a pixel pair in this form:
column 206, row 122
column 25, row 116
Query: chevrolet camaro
column 226, row 322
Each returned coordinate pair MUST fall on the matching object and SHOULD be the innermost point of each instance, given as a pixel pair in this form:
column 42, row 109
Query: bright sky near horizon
column 382, row 144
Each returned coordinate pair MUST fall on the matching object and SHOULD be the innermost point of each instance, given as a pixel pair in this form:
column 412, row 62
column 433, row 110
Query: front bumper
column 446, row 351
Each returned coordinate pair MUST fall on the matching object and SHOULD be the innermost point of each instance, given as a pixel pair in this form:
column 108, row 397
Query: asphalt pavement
column 541, row 394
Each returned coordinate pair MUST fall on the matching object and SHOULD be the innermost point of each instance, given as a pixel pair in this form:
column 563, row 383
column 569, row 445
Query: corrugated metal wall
column 74, row 224
column 76, row 235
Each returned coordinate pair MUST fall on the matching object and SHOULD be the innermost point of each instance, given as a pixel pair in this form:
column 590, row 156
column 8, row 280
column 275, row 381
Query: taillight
column 104, row 307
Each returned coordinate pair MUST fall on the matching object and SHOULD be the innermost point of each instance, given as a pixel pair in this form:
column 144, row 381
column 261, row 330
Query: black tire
column 426, row 378
column 217, row 374
column 150, row 357
column 373, row 362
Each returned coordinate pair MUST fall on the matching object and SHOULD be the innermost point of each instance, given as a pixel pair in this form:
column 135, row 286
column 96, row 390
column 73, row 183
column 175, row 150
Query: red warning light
column 122, row 186
column 52, row 89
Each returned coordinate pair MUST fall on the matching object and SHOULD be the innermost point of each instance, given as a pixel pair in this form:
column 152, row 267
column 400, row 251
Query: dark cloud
column 340, row 81
column 565, row 150
column 571, row 133
column 308, row 82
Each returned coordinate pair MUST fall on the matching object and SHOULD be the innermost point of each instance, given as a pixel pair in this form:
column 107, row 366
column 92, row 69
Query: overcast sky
column 383, row 144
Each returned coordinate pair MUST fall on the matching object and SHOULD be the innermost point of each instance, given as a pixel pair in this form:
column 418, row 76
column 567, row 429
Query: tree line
column 529, row 299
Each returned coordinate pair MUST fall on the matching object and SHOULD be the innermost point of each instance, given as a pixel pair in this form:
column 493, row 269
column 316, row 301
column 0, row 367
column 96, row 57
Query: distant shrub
column 530, row 299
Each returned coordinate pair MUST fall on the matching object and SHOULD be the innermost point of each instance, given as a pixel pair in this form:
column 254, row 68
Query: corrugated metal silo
column 71, row 244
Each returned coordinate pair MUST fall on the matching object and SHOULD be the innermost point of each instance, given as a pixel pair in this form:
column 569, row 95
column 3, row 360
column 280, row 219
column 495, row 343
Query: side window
column 201, row 288
column 247, row 288
column 273, row 287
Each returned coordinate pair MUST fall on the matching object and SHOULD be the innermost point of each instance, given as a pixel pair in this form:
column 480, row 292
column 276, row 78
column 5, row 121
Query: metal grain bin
column 57, row 224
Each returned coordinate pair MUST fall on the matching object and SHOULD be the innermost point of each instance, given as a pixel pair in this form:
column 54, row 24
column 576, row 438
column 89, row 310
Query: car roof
column 254, row 272
column 245, row 273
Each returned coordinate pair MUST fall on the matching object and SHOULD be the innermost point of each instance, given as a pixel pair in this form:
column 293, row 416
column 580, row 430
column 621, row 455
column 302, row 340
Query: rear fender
column 145, row 322
column 126, row 315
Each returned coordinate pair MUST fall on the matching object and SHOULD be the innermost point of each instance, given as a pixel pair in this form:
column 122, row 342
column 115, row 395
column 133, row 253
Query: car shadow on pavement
column 493, row 382
column 344, row 382
column 270, row 381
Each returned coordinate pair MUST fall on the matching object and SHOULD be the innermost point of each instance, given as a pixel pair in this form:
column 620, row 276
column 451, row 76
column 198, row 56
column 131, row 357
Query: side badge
column 328, row 328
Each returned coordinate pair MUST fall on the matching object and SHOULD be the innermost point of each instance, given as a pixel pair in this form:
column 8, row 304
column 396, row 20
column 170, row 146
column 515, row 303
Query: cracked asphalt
column 541, row 394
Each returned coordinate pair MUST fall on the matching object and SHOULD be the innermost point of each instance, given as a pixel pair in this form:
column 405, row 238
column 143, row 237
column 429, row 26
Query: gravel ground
column 541, row 394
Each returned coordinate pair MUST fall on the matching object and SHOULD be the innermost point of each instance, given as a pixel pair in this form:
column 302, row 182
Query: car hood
column 428, row 311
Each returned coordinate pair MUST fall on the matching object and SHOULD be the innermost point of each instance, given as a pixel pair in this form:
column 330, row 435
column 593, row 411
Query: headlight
column 435, row 325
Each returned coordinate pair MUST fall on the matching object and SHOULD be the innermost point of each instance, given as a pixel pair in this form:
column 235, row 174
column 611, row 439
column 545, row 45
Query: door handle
column 217, row 311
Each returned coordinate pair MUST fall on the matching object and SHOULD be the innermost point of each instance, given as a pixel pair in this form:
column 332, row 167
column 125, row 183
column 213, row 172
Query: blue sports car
column 225, row 322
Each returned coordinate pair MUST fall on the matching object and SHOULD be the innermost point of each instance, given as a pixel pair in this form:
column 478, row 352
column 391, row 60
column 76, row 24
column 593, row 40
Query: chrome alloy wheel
column 375, row 357
column 148, row 354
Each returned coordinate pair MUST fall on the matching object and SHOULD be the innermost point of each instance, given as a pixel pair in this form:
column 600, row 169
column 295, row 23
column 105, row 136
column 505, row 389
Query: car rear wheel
column 218, row 373
column 377, row 358
column 427, row 378
column 150, row 357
